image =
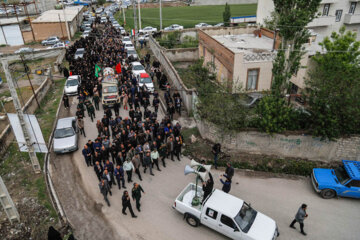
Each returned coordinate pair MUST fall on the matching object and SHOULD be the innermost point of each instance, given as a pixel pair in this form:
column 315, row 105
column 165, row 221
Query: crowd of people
column 124, row 144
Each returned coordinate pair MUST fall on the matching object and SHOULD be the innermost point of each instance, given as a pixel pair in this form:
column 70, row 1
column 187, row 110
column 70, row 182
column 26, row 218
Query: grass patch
column 3, row 45
column 77, row 36
column 186, row 16
column 186, row 76
column 31, row 43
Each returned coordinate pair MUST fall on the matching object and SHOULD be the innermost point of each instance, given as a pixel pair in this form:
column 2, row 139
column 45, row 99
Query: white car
column 137, row 68
column 79, row 53
column 202, row 25
column 129, row 46
column 133, row 53
column 225, row 214
column 126, row 39
column 144, row 37
column 25, row 50
column 148, row 30
column 86, row 33
column 65, row 135
column 174, row 27
column 72, row 84
column 145, row 79
column 219, row 25
column 103, row 20
column 57, row 45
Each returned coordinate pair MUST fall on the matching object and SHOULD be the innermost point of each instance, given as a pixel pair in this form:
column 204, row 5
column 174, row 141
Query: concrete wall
column 173, row 76
column 221, row 2
column 27, row 36
column 182, row 54
column 296, row 146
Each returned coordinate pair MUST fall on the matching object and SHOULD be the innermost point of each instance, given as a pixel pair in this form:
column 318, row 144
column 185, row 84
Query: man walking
column 127, row 204
column 98, row 169
column 120, row 176
column 104, row 190
column 91, row 111
column 80, row 124
column 148, row 163
column 300, row 217
column 136, row 195
column 155, row 158
column 87, row 155
column 66, row 101
column 216, row 149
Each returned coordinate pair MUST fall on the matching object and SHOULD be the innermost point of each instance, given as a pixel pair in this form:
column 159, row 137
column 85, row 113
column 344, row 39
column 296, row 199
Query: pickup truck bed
column 183, row 201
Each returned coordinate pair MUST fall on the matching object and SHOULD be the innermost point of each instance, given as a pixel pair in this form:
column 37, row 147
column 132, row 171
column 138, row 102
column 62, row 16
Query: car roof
column 73, row 77
column 80, row 49
column 65, row 122
column 352, row 168
column 136, row 63
column 255, row 95
column 229, row 205
column 144, row 75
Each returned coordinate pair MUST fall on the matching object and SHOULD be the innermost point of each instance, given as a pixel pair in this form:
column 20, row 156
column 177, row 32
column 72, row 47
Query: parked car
column 219, row 25
column 202, row 25
column 79, row 53
column 25, row 50
column 129, row 46
column 99, row 10
column 137, row 68
column 103, row 20
column 65, row 135
column 72, row 84
column 144, row 37
column 251, row 99
column 58, row 45
column 148, row 30
column 226, row 214
column 174, row 27
column 343, row 181
column 145, row 79
column 85, row 34
column 133, row 53
column 126, row 39
column 84, row 26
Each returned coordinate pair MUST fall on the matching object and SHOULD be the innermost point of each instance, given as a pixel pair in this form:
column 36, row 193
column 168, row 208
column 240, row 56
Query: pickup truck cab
column 226, row 214
column 343, row 181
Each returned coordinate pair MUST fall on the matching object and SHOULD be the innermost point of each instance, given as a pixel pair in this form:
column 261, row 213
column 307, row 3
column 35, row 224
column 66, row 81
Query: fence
column 173, row 77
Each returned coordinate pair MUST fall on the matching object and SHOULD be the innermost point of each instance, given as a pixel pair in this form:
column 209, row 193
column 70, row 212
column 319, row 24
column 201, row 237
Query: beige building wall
column 44, row 30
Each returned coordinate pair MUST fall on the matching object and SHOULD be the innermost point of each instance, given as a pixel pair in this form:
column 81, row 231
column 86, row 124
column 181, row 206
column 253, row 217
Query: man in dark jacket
column 229, row 171
column 127, row 204
column 119, row 174
column 98, row 170
column 148, row 163
column 104, row 190
column 87, row 155
column 300, row 217
column 208, row 187
column 136, row 195
column 226, row 184
column 216, row 149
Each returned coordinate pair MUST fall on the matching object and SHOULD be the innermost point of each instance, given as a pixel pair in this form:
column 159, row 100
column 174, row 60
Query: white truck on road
column 226, row 214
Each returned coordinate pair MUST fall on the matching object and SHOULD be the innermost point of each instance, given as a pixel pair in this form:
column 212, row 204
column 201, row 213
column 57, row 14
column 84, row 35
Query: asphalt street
column 279, row 198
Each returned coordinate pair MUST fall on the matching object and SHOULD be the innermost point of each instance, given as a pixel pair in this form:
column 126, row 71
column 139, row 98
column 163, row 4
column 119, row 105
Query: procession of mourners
column 131, row 144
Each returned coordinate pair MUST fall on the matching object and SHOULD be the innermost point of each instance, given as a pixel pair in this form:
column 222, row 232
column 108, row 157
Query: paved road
column 276, row 197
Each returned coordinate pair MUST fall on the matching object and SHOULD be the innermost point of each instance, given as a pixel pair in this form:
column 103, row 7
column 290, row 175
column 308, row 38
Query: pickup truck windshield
column 245, row 217
column 341, row 175
column 110, row 89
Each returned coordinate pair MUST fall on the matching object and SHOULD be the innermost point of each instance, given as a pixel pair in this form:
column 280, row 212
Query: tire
column 328, row 193
column 192, row 221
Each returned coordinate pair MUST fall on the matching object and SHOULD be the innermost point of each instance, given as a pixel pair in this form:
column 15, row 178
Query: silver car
column 79, row 53
column 65, row 135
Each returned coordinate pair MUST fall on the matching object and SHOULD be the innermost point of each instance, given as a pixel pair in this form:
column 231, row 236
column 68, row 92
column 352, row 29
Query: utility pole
column 135, row 19
column 20, row 114
column 7, row 203
column 123, row 10
column 26, row 68
column 160, row 15
column 66, row 23
column 139, row 14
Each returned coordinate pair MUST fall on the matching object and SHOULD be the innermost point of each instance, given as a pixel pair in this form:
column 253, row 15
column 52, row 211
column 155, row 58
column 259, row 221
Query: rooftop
column 53, row 15
column 245, row 43
column 8, row 21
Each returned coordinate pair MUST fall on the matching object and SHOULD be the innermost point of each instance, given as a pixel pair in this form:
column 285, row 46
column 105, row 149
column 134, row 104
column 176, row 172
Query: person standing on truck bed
column 208, row 187
column 300, row 217
column 226, row 184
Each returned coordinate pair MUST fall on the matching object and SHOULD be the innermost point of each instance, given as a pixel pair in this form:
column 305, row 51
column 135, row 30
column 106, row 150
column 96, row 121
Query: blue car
column 343, row 181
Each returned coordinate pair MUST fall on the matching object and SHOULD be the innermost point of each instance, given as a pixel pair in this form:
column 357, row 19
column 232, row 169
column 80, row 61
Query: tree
column 101, row 2
column 292, row 18
column 333, row 87
column 227, row 15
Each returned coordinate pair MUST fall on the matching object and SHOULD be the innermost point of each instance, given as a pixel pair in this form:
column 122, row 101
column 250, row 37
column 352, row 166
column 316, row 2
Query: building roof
column 245, row 43
column 9, row 21
column 53, row 15
column 228, row 204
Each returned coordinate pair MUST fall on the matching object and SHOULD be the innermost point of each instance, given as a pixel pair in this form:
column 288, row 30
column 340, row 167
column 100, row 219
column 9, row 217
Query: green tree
column 227, row 15
column 101, row 2
column 292, row 16
column 334, row 86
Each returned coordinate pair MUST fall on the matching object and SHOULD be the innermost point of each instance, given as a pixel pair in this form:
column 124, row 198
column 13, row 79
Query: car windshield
column 138, row 67
column 72, row 82
column 64, row 132
column 145, row 80
column 245, row 218
column 80, row 51
column 110, row 89
column 341, row 175
column 131, row 52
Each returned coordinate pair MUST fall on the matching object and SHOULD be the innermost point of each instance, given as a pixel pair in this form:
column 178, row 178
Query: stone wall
column 182, row 54
column 173, row 77
column 295, row 146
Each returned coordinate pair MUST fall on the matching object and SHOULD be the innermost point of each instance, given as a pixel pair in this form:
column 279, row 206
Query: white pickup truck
column 226, row 214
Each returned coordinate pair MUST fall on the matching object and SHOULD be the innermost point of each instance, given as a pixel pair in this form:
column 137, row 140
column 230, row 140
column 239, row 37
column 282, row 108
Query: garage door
column 13, row 35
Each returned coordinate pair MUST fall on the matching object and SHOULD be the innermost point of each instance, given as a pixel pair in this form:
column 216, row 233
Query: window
column 211, row 213
column 326, row 9
column 338, row 15
column 252, row 79
column 204, row 51
column 227, row 221
column 352, row 8
column 354, row 183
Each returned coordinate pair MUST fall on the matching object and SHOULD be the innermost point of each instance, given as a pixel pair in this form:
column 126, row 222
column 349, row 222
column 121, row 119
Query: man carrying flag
column 118, row 68
column 97, row 70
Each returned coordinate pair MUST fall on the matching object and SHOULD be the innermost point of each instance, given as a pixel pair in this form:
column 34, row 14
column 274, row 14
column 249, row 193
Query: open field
column 185, row 16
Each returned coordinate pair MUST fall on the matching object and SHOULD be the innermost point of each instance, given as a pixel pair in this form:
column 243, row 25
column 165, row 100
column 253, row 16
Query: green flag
column 97, row 70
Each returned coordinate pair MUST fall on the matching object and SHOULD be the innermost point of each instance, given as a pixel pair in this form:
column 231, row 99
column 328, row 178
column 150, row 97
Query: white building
column 333, row 15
